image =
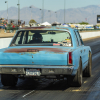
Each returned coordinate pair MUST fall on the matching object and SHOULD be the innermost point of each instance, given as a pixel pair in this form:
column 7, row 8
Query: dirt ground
column 7, row 34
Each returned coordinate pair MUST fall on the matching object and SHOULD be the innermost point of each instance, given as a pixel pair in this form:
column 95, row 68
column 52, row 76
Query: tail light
column 70, row 61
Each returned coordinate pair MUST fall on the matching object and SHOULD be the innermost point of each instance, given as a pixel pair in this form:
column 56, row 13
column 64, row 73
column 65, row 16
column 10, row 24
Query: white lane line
column 28, row 93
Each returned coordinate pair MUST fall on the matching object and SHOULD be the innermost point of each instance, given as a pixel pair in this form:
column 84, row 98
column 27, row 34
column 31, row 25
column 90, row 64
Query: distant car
column 50, row 52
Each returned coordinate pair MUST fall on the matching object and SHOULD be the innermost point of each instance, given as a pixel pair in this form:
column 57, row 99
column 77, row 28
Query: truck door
column 85, row 51
column 80, row 47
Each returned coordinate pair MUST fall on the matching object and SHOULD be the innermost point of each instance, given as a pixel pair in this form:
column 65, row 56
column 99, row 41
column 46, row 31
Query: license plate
column 32, row 72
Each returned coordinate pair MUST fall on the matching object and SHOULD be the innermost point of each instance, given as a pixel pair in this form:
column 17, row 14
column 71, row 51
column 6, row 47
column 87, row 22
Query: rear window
column 42, row 38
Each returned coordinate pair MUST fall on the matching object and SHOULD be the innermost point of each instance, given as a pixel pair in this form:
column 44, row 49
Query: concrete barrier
column 86, row 35
column 4, row 42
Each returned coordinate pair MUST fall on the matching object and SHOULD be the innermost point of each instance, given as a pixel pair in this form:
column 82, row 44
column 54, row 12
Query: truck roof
column 47, row 28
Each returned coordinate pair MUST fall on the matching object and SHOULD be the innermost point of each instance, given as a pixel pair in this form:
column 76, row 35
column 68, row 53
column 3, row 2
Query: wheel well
column 81, row 60
column 89, row 51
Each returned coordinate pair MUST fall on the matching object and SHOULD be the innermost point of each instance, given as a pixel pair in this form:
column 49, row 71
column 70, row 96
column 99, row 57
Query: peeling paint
column 35, row 28
column 42, row 28
column 19, row 50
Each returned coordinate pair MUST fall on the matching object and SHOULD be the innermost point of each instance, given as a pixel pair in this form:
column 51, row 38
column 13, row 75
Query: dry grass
column 8, row 34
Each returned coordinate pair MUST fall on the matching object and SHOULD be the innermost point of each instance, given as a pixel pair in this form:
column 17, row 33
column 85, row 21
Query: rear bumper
column 44, row 70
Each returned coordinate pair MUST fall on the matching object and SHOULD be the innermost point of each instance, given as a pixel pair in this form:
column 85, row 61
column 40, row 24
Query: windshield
column 42, row 38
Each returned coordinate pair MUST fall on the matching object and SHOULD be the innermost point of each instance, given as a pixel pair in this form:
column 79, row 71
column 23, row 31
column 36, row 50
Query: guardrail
column 80, row 30
column 86, row 35
column 4, row 42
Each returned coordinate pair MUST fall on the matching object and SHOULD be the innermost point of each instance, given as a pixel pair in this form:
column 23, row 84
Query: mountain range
column 72, row 15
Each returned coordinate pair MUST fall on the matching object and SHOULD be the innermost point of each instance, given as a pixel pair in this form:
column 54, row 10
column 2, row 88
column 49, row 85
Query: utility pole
column 41, row 16
column 50, row 15
column 31, row 12
column 7, row 9
column 42, row 10
column 64, row 10
column 18, row 11
column 56, row 15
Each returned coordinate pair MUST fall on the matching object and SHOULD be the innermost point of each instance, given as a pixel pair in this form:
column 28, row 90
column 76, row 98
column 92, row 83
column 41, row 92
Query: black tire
column 77, row 79
column 8, row 80
column 88, row 70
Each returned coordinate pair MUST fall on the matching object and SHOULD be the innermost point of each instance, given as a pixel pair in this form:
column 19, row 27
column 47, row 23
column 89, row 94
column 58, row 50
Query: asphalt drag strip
column 30, row 89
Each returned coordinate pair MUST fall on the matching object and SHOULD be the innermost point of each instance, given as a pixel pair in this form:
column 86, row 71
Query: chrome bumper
column 45, row 70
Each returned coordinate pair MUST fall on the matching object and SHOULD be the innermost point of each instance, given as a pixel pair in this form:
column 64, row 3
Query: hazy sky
column 53, row 5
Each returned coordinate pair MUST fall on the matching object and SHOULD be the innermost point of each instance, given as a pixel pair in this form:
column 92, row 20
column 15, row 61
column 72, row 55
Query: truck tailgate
column 34, row 56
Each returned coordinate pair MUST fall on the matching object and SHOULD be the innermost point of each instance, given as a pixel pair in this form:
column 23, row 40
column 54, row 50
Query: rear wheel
column 87, row 72
column 77, row 79
column 8, row 80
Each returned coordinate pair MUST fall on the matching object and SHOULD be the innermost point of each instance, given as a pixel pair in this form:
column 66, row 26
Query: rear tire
column 77, row 79
column 87, row 72
column 8, row 80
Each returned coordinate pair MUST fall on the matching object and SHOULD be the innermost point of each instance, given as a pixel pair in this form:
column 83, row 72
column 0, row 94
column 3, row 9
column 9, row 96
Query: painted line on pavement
column 28, row 93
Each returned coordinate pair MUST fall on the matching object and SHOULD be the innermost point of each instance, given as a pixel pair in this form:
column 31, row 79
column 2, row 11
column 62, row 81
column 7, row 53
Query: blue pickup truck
column 50, row 52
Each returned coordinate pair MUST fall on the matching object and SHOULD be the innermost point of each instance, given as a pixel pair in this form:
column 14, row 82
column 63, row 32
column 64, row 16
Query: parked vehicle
column 50, row 52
